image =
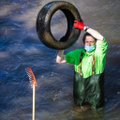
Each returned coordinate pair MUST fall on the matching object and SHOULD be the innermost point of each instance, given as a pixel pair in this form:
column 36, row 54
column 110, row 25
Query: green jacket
column 87, row 63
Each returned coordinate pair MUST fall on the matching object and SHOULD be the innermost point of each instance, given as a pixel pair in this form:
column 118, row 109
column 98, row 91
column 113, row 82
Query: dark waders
column 89, row 90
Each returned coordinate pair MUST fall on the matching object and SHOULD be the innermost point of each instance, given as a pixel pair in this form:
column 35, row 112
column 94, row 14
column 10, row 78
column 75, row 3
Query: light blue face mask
column 90, row 48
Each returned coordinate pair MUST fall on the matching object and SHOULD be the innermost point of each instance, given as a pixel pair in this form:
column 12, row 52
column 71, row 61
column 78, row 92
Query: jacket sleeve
column 73, row 57
column 102, row 46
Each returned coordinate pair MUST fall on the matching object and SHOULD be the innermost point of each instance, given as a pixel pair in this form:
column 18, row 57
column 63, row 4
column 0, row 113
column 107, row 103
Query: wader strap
column 80, row 65
column 93, row 64
column 80, row 69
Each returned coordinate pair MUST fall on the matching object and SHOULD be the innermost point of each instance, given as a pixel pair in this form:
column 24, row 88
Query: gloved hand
column 79, row 25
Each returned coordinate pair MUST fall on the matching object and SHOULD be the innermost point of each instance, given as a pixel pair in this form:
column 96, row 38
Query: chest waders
column 89, row 90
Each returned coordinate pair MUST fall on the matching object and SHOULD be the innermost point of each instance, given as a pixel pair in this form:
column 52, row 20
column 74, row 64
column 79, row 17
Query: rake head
column 31, row 76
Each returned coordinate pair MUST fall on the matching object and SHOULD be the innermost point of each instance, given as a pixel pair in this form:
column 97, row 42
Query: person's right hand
column 79, row 25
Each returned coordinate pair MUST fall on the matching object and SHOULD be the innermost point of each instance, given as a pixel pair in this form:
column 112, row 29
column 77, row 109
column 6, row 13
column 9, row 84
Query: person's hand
column 79, row 25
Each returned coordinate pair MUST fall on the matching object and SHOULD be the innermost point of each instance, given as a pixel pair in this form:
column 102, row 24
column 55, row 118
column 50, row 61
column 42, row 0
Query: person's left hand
column 79, row 25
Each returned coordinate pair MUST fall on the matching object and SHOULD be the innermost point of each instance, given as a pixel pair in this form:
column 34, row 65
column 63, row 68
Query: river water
column 21, row 48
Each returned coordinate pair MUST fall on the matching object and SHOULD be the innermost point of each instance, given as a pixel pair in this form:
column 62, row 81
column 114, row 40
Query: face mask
column 90, row 48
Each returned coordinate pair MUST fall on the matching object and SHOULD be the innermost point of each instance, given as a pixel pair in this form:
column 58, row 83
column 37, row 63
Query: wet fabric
column 89, row 90
column 83, row 61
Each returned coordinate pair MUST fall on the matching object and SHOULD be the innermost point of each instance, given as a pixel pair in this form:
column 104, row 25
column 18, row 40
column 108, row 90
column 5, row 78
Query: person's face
column 89, row 41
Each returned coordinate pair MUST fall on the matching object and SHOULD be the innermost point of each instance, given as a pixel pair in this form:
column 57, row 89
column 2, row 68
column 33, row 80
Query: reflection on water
column 20, row 48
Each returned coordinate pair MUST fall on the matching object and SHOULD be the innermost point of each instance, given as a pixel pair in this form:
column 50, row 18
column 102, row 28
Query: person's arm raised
column 94, row 33
column 82, row 26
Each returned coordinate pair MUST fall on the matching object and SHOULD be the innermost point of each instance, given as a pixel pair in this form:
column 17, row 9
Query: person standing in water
column 89, row 65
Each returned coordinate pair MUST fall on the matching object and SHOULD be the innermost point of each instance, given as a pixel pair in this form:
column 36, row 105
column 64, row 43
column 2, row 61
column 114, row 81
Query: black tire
column 43, row 24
